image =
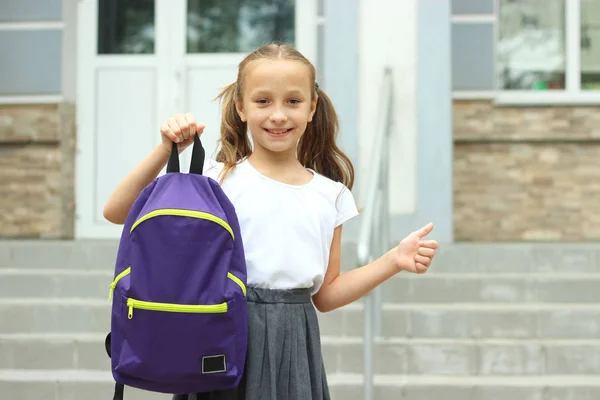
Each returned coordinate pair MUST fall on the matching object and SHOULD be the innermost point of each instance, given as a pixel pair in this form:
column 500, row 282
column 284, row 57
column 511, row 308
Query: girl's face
column 277, row 104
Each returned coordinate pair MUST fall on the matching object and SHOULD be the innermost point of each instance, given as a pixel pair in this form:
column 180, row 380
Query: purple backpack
column 179, row 311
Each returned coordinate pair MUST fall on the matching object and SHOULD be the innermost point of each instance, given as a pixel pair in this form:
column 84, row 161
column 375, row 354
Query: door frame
column 306, row 21
column 170, row 61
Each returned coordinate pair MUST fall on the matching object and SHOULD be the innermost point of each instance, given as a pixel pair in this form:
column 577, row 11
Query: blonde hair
column 317, row 149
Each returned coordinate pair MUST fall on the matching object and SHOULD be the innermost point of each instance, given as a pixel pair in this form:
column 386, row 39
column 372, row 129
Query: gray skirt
column 284, row 360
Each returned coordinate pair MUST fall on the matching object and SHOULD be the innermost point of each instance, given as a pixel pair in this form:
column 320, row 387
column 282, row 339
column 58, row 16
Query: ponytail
column 317, row 148
column 235, row 144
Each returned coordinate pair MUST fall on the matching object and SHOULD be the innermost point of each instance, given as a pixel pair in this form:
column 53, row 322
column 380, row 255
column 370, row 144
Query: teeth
column 278, row 132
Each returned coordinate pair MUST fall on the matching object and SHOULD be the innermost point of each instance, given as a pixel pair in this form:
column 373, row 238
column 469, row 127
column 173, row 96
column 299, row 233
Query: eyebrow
column 294, row 92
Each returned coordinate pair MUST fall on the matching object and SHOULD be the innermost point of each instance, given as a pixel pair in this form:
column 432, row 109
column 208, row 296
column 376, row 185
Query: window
column 548, row 51
column 527, row 51
column 530, row 52
column 590, row 44
column 126, row 26
column 31, row 51
column 238, row 26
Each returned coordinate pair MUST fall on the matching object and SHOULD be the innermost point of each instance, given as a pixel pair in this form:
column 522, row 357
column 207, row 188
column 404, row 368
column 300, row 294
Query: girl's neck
column 279, row 167
column 274, row 161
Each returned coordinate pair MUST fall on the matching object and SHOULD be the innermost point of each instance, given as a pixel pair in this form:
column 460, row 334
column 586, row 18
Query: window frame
column 572, row 94
column 32, row 26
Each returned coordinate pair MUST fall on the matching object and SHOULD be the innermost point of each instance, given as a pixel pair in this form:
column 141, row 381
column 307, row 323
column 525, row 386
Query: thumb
column 424, row 231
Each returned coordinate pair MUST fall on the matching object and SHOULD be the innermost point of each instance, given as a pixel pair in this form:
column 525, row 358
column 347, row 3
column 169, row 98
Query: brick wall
column 37, row 171
column 520, row 173
column 529, row 173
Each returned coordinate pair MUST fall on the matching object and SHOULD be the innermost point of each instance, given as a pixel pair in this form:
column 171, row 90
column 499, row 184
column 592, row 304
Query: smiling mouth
column 278, row 132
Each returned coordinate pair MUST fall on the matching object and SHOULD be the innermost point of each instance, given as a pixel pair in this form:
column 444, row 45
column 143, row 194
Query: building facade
column 525, row 79
column 494, row 135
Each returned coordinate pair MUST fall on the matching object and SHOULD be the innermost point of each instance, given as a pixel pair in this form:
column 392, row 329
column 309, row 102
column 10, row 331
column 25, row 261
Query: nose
column 278, row 116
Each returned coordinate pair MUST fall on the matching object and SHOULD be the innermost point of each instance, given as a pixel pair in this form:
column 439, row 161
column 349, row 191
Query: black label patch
column 214, row 364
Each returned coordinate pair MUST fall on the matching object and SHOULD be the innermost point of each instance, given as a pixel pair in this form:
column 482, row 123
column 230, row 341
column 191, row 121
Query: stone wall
column 520, row 173
column 526, row 173
column 37, row 171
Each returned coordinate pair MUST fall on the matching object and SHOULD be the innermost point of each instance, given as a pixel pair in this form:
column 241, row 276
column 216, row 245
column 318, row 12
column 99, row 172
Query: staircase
column 488, row 321
column 54, row 316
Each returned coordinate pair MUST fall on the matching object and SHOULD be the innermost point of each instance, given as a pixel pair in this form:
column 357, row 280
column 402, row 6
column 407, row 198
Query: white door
column 142, row 61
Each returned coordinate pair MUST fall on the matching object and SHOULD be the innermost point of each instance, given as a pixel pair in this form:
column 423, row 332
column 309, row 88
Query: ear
column 313, row 108
column 240, row 110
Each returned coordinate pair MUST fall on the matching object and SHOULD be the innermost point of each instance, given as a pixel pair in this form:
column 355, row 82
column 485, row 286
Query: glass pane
column 531, row 46
column 125, row 26
column 467, row 7
column 473, row 56
column 238, row 26
column 30, row 10
column 590, row 44
column 21, row 52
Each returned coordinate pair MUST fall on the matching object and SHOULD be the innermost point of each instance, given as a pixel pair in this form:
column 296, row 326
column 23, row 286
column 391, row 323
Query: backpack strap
column 198, row 154
column 119, row 387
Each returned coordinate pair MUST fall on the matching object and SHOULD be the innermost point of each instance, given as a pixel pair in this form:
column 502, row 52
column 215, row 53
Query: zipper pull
column 130, row 315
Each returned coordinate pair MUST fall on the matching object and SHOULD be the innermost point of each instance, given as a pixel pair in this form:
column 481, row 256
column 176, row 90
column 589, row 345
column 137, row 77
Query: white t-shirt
column 287, row 230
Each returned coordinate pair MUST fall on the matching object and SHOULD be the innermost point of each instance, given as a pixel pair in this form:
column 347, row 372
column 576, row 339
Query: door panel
column 127, row 96
column 118, row 102
column 207, row 81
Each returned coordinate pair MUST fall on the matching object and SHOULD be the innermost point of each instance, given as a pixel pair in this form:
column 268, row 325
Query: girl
column 290, row 188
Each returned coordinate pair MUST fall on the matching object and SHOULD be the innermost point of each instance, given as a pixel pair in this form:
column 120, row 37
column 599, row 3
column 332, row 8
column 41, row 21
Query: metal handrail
column 374, row 231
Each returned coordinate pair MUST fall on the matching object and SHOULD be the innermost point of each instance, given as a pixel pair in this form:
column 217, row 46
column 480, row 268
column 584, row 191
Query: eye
column 295, row 101
column 262, row 101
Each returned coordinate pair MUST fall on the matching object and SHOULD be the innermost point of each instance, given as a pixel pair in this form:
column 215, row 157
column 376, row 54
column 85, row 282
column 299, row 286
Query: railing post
column 383, row 240
column 375, row 234
column 377, row 237
column 368, row 347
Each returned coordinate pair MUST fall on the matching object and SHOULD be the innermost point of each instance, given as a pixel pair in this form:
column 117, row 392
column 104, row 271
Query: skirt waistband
column 272, row 296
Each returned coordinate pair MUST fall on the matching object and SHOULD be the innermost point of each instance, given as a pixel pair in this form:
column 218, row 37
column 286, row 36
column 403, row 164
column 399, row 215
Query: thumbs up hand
column 413, row 254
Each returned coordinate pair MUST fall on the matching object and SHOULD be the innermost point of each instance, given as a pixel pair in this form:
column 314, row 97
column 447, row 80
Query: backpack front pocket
column 175, row 308
column 165, row 342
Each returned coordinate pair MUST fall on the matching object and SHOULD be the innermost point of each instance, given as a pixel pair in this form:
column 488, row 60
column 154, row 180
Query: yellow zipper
column 113, row 285
column 238, row 281
column 126, row 272
column 184, row 213
column 177, row 308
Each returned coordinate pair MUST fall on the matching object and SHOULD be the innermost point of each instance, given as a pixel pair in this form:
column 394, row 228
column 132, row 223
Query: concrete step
column 461, row 320
column 520, row 258
column 471, row 320
column 92, row 385
column 65, row 385
column 505, row 287
column 410, row 387
column 465, row 357
column 54, row 283
column 79, row 255
column 404, row 288
column 59, row 351
column 65, row 315
column 458, row 357
column 490, row 258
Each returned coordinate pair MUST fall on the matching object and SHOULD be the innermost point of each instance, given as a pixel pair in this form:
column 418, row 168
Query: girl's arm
column 180, row 129
column 122, row 198
column 412, row 254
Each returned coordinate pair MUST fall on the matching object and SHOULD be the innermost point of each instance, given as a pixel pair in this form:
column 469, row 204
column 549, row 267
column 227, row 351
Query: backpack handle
column 197, row 163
